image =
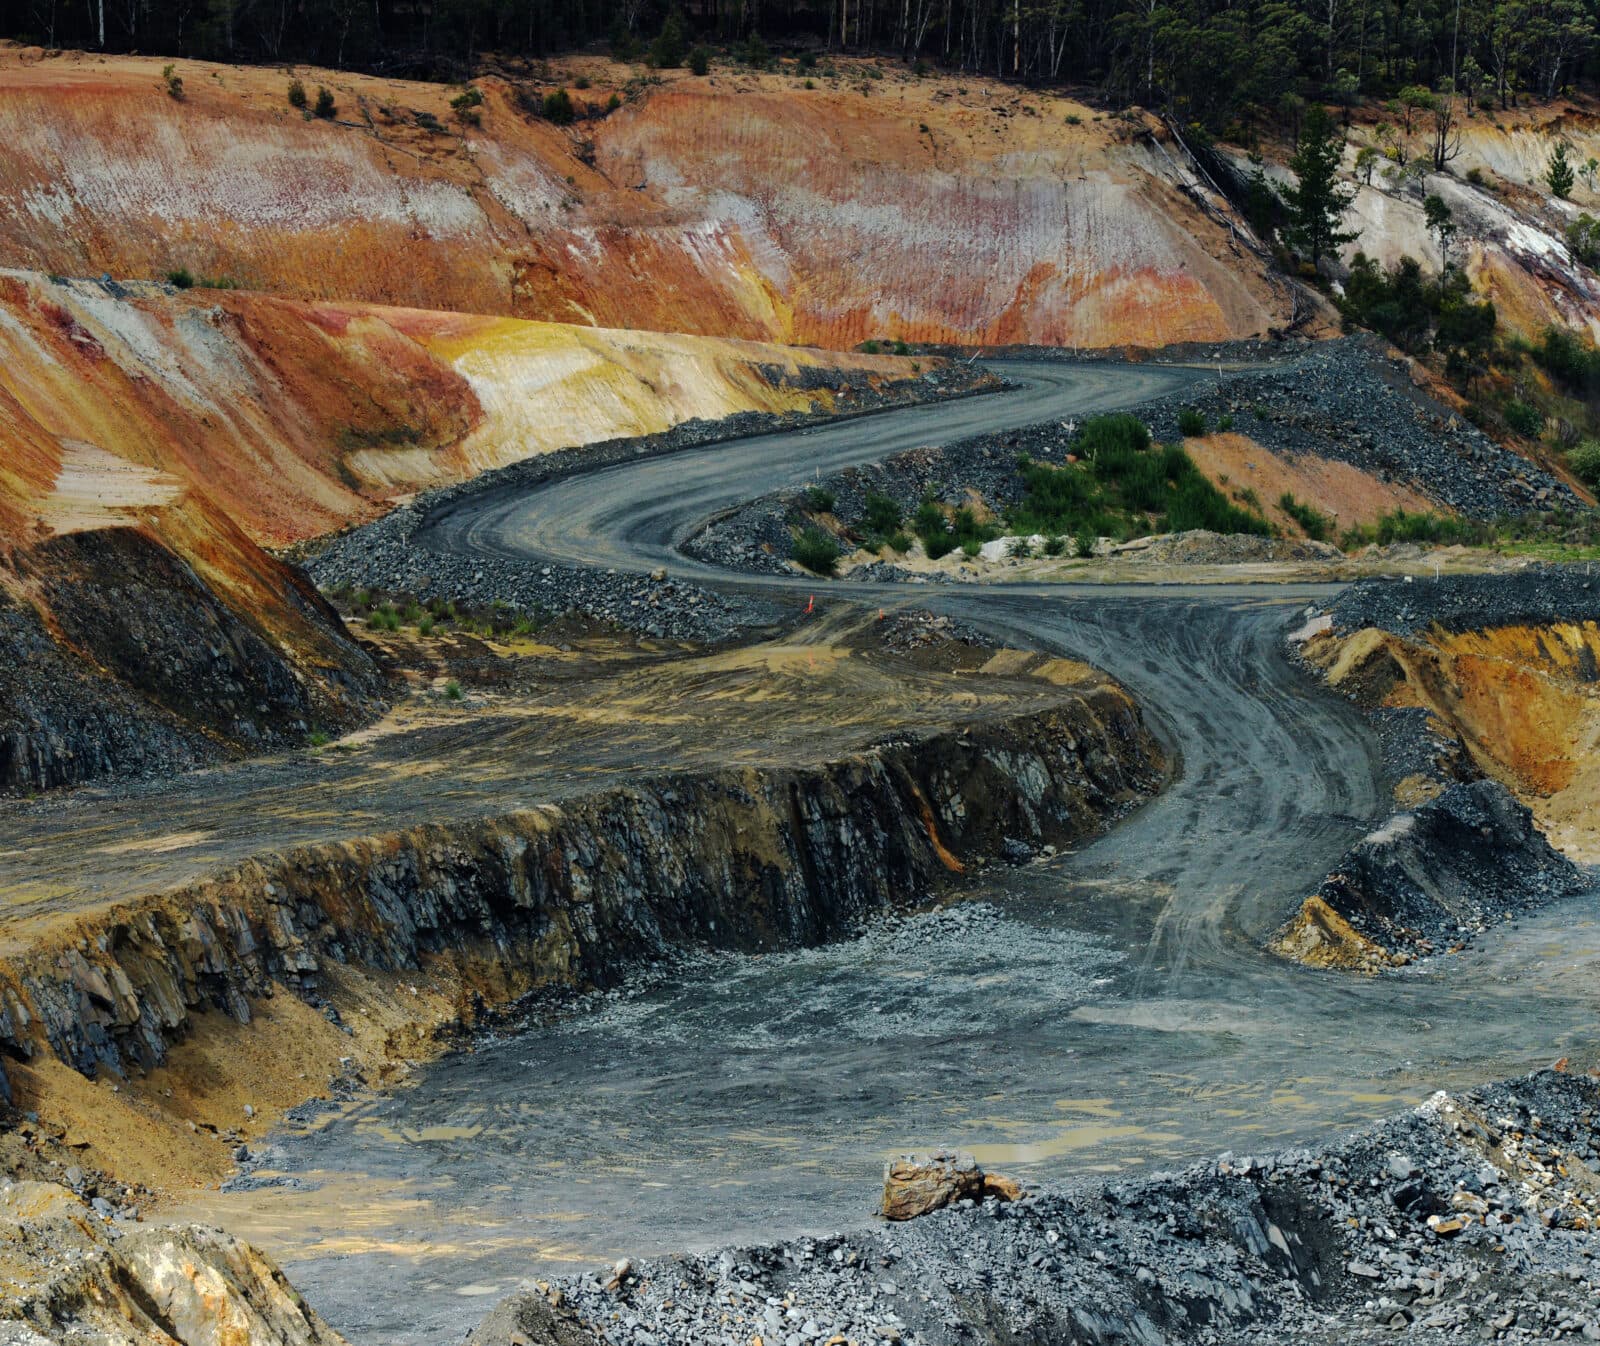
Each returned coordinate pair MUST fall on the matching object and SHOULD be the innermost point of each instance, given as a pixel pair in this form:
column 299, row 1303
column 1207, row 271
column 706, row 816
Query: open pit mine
column 718, row 691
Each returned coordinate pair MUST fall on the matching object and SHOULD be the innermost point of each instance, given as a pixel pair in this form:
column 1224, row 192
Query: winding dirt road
column 1278, row 779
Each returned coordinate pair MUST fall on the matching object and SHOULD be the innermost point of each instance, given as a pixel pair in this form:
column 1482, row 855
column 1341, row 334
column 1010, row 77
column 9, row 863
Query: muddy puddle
column 747, row 1098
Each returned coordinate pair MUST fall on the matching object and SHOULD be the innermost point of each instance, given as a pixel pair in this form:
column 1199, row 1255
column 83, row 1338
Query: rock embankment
column 1473, row 1216
column 576, row 895
column 1480, row 687
column 71, row 1274
column 1430, row 879
column 119, row 659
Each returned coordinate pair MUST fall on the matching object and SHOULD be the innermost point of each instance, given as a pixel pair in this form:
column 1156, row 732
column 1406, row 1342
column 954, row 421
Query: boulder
column 63, row 1271
column 914, row 1184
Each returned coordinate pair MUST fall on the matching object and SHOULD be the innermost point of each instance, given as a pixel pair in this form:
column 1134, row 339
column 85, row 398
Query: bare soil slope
column 874, row 204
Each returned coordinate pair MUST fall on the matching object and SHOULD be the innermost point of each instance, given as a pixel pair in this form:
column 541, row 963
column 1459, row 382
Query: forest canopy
column 1209, row 62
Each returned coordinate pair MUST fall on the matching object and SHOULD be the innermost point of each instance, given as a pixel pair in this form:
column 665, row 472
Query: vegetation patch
column 1125, row 486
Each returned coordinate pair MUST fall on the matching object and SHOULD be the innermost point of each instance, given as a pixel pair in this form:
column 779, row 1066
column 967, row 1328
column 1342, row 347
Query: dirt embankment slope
column 154, row 439
column 872, row 204
column 1486, row 694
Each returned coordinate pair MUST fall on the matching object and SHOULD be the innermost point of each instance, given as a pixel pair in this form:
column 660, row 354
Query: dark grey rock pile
column 1470, row 1219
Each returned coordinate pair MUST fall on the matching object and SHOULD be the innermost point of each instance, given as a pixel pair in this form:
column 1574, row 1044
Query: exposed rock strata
column 575, row 895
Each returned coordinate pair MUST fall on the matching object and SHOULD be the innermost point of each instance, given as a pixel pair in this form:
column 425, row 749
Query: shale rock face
column 1449, row 868
column 67, row 1274
column 576, row 896
column 914, row 1185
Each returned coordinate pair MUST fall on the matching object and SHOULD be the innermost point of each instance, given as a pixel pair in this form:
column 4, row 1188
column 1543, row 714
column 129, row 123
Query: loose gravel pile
column 1537, row 596
column 1472, row 1218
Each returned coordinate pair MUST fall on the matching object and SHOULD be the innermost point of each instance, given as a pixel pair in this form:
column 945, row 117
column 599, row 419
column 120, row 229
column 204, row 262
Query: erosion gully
column 1101, row 1011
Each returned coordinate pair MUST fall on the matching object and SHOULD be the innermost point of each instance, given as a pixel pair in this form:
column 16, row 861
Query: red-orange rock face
column 739, row 205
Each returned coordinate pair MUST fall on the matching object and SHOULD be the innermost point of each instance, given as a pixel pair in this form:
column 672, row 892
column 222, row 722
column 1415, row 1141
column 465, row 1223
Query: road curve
column 1277, row 777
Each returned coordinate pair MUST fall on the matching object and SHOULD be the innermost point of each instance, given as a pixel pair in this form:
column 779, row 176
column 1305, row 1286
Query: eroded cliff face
column 873, row 204
column 151, row 440
column 576, row 895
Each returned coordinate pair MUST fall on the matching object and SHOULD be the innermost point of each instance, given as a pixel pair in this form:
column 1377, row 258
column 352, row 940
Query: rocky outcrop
column 123, row 660
column 576, row 895
column 69, row 1273
column 916, row 1184
column 1433, row 876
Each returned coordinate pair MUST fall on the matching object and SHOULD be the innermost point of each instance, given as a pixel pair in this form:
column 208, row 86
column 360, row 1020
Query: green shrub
column 1055, row 545
column 700, row 60
column 557, row 108
column 819, row 500
column 181, row 278
column 756, row 52
column 1569, row 361
column 930, row 524
column 173, row 82
column 1224, row 424
column 1584, row 460
column 882, row 514
column 297, row 94
column 1583, row 239
column 582, row 82
column 325, row 106
column 816, row 551
column 1020, row 549
column 613, row 103
column 452, row 690
column 1083, row 544
column 971, row 547
column 425, row 626
column 1191, row 423
column 1122, row 484
column 869, row 347
column 318, row 738
column 1524, row 419
column 898, row 541
column 1316, row 525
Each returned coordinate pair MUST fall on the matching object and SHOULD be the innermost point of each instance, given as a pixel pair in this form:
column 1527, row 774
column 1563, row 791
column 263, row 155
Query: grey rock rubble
column 1472, row 1218
column 1447, row 870
column 1540, row 595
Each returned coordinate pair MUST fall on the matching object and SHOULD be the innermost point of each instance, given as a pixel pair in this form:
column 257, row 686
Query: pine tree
column 1317, row 202
column 1558, row 173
